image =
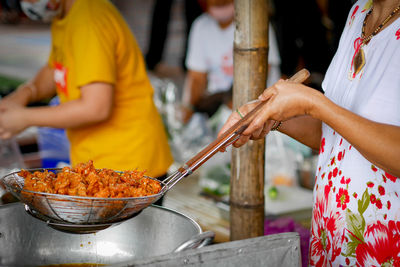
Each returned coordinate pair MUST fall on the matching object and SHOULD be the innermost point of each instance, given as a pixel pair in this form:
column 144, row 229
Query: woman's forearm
column 305, row 129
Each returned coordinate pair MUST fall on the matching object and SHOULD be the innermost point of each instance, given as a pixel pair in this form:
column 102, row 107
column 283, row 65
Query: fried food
column 87, row 181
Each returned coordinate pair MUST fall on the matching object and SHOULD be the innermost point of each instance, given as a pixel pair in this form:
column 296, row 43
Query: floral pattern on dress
column 326, row 240
column 349, row 225
column 381, row 245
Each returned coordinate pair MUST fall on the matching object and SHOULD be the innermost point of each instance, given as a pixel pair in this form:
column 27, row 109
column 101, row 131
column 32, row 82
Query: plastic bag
column 10, row 156
column 280, row 162
column 10, row 160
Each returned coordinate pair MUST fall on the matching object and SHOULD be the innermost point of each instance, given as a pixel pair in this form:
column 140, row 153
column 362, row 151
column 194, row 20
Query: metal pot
column 26, row 241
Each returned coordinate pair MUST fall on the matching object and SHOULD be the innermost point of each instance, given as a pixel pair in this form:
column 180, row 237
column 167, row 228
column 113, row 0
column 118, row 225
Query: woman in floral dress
column 355, row 125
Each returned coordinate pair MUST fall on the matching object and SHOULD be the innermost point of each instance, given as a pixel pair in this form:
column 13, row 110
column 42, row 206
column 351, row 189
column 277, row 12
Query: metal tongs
column 226, row 139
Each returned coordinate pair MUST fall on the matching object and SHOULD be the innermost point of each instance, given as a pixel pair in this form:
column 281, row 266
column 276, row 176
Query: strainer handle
column 197, row 241
column 232, row 134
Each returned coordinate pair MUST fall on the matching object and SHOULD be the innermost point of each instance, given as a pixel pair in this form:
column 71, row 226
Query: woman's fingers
column 269, row 92
column 259, row 121
column 262, row 132
column 232, row 119
column 255, row 135
column 237, row 115
column 242, row 140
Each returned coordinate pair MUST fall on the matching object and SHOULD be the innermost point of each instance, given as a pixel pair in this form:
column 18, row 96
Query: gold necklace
column 359, row 58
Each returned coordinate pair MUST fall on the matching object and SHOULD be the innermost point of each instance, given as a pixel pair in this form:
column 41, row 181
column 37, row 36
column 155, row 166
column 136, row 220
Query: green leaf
column 351, row 248
column 355, row 226
column 363, row 203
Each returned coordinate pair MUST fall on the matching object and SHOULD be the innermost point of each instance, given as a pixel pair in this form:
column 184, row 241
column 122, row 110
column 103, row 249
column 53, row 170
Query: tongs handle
column 232, row 134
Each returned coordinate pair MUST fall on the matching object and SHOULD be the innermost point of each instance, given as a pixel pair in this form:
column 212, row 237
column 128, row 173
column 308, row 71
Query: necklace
column 359, row 57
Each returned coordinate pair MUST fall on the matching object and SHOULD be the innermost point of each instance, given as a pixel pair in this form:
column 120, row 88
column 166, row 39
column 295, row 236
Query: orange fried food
column 85, row 180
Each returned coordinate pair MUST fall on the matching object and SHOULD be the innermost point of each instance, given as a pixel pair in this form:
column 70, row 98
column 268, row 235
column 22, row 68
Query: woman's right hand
column 285, row 100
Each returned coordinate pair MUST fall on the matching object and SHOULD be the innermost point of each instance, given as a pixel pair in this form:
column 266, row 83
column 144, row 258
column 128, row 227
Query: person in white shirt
column 209, row 60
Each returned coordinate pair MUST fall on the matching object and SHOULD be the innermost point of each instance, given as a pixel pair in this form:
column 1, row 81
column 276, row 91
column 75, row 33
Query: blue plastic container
column 53, row 144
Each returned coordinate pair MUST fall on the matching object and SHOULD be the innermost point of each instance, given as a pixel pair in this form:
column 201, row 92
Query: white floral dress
column 356, row 213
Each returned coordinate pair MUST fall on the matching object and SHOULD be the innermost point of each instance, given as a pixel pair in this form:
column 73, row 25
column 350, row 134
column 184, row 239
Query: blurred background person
column 159, row 28
column 209, row 62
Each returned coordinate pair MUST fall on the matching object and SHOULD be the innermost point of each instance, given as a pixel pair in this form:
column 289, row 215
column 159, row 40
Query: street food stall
column 59, row 231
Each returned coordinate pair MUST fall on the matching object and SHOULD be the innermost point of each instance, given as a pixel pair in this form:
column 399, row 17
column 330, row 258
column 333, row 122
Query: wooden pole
column 250, row 74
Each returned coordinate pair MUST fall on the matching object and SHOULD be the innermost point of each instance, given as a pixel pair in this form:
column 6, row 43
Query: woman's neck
column 381, row 10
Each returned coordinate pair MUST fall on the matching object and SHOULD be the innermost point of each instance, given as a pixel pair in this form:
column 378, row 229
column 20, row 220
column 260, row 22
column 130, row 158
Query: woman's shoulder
column 359, row 7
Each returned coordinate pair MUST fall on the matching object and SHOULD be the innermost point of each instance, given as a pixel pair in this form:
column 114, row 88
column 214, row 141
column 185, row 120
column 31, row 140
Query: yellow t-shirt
column 93, row 43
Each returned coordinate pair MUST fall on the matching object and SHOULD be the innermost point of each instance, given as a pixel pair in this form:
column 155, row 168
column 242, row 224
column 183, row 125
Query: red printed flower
column 342, row 198
column 330, row 175
column 389, row 204
column 374, row 168
column 355, row 195
column 384, row 178
column 398, row 34
column 345, row 181
column 381, row 190
column 341, row 141
column 379, row 204
column 350, row 147
column 322, row 146
column 372, row 198
column 340, row 156
column 335, row 172
column 381, row 246
column 370, row 184
column 326, row 230
column 390, row 177
column 354, row 12
column 333, row 161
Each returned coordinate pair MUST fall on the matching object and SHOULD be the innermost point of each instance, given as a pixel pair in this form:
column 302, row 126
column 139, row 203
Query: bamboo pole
column 250, row 74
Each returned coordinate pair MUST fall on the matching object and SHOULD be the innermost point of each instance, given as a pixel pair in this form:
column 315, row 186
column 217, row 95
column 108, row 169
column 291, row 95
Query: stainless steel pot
column 26, row 241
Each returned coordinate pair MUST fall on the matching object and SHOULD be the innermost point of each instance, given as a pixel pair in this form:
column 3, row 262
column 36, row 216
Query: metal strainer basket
column 76, row 209
column 93, row 210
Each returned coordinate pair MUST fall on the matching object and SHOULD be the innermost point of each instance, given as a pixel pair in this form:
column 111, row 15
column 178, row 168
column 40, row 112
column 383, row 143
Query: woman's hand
column 236, row 116
column 285, row 100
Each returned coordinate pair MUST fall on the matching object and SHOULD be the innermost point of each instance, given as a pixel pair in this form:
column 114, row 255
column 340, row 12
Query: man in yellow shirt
column 98, row 72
